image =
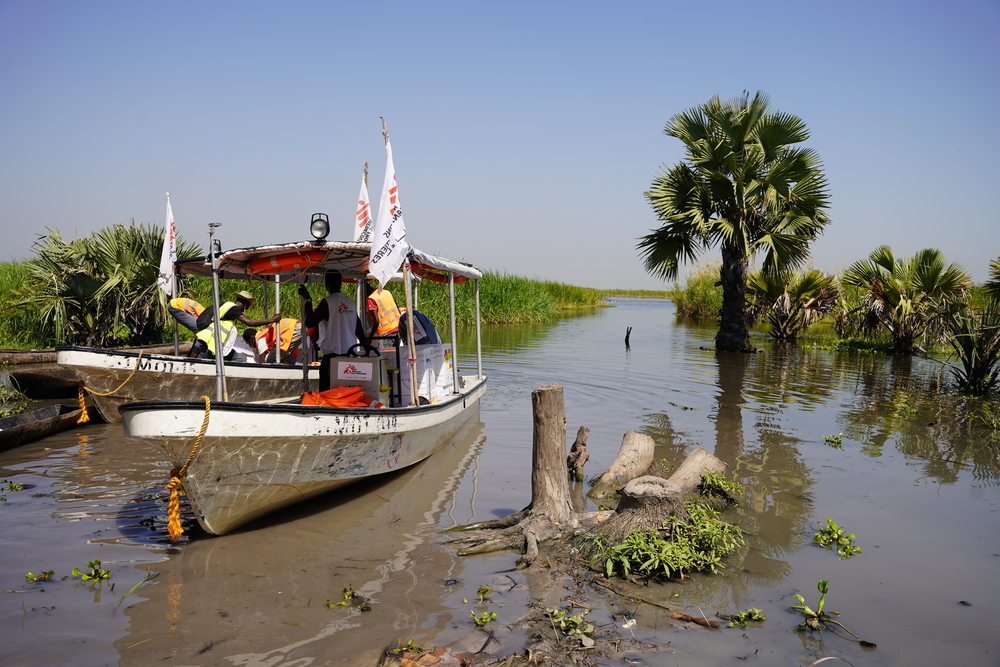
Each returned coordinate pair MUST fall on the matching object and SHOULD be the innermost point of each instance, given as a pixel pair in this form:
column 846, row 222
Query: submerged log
column 578, row 455
column 634, row 458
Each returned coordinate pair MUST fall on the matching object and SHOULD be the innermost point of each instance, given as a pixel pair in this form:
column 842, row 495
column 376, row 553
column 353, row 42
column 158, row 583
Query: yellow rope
column 84, row 417
column 176, row 478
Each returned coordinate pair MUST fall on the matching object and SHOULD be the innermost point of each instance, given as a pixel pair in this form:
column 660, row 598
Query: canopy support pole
column 411, row 348
column 221, row 394
column 479, row 332
column 455, row 388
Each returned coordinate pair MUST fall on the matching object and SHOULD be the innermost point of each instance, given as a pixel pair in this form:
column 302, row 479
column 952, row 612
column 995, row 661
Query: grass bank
column 504, row 299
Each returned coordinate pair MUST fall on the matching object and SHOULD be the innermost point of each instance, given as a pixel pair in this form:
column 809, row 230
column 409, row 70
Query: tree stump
column 634, row 458
column 578, row 455
column 550, row 511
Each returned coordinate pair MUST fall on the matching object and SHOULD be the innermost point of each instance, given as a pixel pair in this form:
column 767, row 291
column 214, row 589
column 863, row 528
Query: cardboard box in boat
column 369, row 373
column 435, row 379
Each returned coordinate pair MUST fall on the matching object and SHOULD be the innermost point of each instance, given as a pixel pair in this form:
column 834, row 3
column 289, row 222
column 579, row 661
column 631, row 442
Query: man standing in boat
column 231, row 312
column 339, row 325
column 383, row 314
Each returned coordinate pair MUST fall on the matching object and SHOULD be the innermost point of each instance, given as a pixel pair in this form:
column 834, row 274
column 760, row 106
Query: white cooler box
column 369, row 373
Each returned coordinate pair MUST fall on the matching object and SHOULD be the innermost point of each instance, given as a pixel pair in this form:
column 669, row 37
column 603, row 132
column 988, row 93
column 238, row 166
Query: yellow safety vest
column 207, row 335
column 387, row 312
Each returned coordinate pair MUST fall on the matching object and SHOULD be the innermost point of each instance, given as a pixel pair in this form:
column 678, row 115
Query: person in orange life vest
column 186, row 312
column 204, row 345
column 383, row 314
column 339, row 325
column 262, row 342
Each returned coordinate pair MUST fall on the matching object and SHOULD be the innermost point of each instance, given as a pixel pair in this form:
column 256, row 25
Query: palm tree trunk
column 733, row 335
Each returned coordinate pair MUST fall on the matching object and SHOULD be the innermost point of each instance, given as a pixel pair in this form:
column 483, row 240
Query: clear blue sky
column 523, row 133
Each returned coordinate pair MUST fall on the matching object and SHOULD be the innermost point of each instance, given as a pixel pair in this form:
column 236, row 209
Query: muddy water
column 914, row 477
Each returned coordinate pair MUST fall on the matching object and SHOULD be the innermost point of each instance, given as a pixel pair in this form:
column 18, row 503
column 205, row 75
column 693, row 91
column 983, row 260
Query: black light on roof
column 319, row 226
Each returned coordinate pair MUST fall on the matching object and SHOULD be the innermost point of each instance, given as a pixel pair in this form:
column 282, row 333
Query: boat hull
column 167, row 378
column 255, row 459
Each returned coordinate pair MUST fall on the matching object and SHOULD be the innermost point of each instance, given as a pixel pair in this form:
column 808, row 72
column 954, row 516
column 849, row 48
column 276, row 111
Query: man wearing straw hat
column 232, row 312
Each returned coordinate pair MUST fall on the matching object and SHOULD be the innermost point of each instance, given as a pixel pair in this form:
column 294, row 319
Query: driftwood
column 634, row 458
column 646, row 501
column 578, row 455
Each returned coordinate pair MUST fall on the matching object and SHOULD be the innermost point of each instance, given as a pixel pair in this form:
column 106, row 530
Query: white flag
column 363, row 222
column 389, row 245
column 169, row 255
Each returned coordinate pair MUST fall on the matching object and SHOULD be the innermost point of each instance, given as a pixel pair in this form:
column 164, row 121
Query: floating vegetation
column 834, row 441
column 832, row 535
column 96, row 573
column 751, row 615
column 817, row 620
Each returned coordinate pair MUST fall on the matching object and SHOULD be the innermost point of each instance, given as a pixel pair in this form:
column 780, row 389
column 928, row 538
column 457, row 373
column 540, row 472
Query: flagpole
column 411, row 361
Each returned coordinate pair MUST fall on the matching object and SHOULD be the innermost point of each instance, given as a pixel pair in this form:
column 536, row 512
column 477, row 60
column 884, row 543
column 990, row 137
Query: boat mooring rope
column 177, row 477
column 84, row 417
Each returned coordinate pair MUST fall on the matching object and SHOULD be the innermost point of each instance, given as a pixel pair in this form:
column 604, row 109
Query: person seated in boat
column 262, row 342
column 383, row 314
column 231, row 313
column 186, row 312
column 340, row 327
column 423, row 329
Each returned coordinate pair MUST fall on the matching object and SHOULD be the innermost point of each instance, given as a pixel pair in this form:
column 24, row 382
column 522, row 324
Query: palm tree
column 745, row 187
column 789, row 301
column 992, row 286
column 975, row 338
column 907, row 297
column 100, row 290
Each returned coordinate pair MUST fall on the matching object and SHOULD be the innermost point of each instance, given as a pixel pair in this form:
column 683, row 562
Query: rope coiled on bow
column 177, row 477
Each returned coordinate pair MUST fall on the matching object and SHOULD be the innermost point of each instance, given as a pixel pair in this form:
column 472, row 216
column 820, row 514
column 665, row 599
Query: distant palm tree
column 789, row 301
column 743, row 187
column 100, row 290
column 906, row 298
column 992, row 286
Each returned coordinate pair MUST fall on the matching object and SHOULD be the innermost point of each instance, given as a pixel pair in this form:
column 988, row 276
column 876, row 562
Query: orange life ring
column 290, row 261
column 427, row 274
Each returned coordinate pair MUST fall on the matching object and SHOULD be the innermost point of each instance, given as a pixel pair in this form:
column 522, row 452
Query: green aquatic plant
column 832, row 535
column 570, row 624
column 834, row 441
column 483, row 618
column 714, row 484
column 408, row 647
column 817, row 620
column 96, row 573
column 484, row 593
column 33, row 578
column 677, row 547
column 350, row 598
column 12, row 485
column 741, row 619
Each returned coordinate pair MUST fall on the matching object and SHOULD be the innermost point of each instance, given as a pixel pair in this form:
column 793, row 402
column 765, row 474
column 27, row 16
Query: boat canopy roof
column 289, row 261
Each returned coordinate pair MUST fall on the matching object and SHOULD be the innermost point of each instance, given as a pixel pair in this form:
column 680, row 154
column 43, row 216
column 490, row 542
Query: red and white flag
column 363, row 222
column 169, row 255
column 389, row 246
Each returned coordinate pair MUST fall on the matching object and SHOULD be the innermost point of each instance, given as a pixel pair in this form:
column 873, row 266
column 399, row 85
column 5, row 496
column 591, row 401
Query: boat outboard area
column 262, row 443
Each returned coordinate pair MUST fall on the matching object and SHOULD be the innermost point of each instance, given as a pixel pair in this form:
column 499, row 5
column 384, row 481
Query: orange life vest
column 286, row 328
column 187, row 305
column 386, row 311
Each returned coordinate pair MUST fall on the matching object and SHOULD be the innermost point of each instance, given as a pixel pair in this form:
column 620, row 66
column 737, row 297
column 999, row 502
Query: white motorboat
column 241, row 460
